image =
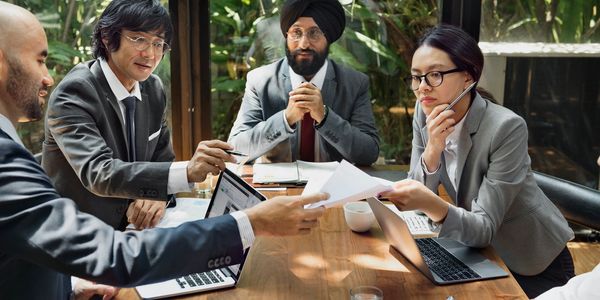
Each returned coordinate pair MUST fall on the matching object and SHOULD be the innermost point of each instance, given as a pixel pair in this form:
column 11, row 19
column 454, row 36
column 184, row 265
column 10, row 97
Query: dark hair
column 134, row 15
column 460, row 47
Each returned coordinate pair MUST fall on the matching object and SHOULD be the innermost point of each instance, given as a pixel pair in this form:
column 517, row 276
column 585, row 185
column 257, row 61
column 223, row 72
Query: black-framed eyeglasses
column 141, row 43
column 313, row 34
column 433, row 78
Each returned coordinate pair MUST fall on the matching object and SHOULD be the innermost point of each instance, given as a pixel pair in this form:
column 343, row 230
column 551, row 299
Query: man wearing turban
column 306, row 106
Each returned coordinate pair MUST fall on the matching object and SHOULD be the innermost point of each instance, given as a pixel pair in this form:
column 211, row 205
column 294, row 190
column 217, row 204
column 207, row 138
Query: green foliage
column 550, row 21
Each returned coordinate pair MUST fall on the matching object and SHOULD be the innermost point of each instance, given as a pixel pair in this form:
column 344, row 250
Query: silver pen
column 460, row 96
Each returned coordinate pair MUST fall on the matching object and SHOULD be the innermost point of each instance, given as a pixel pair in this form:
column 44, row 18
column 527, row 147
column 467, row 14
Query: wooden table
column 332, row 259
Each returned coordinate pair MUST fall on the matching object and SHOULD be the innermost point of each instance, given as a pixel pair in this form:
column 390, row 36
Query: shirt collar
column 7, row 126
column 453, row 137
column 317, row 80
column 116, row 86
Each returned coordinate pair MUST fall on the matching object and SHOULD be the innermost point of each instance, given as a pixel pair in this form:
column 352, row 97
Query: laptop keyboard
column 442, row 263
column 199, row 279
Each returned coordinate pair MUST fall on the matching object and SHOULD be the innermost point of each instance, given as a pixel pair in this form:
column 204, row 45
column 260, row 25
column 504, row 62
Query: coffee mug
column 358, row 215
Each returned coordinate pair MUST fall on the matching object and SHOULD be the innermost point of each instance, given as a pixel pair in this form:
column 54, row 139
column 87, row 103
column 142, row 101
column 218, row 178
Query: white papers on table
column 293, row 172
column 187, row 209
column 418, row 224
column 347, row 183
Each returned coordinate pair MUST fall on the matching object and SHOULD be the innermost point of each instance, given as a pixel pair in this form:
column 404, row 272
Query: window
column 542, row 60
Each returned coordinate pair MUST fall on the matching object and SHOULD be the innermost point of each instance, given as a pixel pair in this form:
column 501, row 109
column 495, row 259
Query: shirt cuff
column 287, row 126
column 178, row 181
column 424, row 167
column 245, row 228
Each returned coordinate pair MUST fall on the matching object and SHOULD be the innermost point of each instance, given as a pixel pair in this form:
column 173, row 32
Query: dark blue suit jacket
column 43, row 237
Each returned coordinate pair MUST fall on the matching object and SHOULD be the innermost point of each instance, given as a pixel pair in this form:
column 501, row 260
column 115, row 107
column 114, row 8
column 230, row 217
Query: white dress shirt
column 7, row 126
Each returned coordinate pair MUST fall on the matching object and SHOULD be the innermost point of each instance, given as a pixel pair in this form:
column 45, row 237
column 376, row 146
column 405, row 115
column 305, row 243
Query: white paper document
column 297, row 172
column 347, row 183
column 187, row 209
column 418, row 224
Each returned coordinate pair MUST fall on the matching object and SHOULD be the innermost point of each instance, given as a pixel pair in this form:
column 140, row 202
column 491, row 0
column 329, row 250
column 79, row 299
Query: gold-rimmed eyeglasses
column 141, row 43
column 313, row 34
column 433, row 78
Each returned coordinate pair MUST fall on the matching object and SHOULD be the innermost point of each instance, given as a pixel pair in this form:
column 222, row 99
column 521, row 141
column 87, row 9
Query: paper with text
column 293, row 172
column 418, row 224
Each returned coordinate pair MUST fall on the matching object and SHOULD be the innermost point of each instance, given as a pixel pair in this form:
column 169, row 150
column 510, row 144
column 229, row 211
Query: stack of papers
column 348, row 183
column 186, row 210
column 298, row 172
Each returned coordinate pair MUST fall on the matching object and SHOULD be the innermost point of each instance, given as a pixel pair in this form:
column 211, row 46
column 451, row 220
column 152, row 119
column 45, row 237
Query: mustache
column 304, row 51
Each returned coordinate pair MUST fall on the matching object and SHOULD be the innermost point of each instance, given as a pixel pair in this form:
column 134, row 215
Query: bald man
column 305, row 106
column 43, row 236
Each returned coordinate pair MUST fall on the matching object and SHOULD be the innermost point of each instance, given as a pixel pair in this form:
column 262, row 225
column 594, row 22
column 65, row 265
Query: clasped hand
column 306, row 98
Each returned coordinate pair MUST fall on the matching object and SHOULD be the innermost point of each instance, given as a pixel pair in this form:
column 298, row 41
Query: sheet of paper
column 347, row 183
column 418, row 224
column 275, row 173
column 187, row 209
column 319, row 170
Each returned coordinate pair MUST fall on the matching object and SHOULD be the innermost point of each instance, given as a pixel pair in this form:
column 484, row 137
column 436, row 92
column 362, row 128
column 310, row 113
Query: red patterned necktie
column 307, row 138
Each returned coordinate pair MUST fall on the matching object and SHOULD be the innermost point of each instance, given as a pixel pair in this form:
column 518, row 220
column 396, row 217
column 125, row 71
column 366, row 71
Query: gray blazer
column 44, row 237
column 85, row 147
column 498, row 202
column 349, row 131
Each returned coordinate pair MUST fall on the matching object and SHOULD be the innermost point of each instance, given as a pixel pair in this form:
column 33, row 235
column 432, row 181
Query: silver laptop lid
column 398, row 235
column 231, row 194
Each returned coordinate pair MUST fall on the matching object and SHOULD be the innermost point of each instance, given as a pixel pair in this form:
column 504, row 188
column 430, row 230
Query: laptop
column 231, row 194
column 443, row 261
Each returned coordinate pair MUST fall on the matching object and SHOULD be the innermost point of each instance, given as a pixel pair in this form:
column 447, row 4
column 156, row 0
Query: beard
column 306, row 67
column 25, row 90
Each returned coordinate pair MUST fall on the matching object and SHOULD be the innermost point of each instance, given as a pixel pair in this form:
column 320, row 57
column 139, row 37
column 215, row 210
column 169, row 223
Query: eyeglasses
column 141, row 43
column 313, row 35
column 433, row 78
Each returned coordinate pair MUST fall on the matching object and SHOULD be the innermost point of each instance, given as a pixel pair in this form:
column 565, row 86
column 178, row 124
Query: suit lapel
column 472, row 121
column 329, row 86
column 111, row 99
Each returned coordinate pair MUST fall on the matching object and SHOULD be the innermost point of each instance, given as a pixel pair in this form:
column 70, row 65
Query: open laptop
column 231, row 194
column 443, row 261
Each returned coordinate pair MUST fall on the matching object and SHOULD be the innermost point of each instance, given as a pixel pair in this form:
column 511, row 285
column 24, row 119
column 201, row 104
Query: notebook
column 443, row 261
column 231, row 194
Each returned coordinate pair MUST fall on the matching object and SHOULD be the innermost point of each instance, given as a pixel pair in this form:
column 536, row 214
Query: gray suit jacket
column 85, row 148
column 44, row 236
column 498, row 202
column 348, row 132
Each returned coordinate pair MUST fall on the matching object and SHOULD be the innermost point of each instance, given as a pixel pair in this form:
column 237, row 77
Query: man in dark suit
column 44, row 237
column 107, row 145
column 305, row 106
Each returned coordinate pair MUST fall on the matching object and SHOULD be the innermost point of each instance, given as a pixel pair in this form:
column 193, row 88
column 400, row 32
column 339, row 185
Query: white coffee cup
column 358, row 215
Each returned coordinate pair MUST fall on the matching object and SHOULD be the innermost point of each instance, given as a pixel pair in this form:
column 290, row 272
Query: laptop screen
column 232, row 194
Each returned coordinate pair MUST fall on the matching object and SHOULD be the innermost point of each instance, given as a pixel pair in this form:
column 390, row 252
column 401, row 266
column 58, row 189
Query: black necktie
column 130, row 123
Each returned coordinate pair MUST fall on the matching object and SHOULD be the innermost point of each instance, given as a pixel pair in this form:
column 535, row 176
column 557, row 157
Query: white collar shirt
column 117, row 88
column 7, row 126
column 451, row 151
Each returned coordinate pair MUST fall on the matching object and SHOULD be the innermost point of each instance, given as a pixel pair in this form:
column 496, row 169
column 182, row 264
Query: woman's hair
column 460, row 47
column 134, row 15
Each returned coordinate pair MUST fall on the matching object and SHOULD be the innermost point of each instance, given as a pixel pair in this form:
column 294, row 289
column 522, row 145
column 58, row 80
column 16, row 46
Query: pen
column 460, row 96
column 233, row 152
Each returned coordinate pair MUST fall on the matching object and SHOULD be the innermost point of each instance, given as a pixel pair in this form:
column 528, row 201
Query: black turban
column 328, row 14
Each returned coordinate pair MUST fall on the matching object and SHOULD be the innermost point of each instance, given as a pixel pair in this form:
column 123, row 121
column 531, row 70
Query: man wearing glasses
column 305, row 106
column 107, row 145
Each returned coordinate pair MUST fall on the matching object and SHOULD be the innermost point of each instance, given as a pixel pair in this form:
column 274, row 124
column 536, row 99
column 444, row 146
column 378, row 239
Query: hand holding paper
column 347, row 183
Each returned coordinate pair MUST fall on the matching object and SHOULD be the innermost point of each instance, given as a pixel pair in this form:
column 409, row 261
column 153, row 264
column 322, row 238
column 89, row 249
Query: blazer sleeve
column 355, row 139
column 502, row 182
column 72, row 119
column 47, row 230
column 252, row 133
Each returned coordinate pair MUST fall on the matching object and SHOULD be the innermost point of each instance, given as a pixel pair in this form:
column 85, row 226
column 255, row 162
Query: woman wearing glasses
column 478, row 151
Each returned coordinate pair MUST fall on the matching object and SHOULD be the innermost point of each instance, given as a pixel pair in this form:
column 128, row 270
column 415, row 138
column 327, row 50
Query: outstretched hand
column 285, row 215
